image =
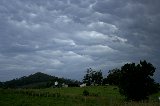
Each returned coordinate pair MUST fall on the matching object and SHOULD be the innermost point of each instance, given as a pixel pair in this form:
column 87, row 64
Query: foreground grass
column 99, row 96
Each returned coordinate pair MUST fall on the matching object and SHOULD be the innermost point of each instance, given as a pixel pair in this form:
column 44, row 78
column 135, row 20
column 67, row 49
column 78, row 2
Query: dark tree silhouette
column 88, row 77
column 136, row 81
column 93, row 77
column 1, row 84
column 113, row 77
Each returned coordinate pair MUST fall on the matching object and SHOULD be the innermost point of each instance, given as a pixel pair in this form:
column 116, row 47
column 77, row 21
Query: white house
column 64, row 85
column 83, row 85
column 56, row 83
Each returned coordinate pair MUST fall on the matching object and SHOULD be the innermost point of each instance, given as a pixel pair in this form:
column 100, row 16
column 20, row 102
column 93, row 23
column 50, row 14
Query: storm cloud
column 65, row 37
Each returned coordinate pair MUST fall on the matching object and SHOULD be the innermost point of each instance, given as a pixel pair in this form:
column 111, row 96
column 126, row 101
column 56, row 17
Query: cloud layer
column 64, row 37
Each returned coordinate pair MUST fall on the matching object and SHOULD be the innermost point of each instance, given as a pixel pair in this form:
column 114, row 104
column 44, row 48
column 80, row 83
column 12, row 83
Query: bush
column 85, row 93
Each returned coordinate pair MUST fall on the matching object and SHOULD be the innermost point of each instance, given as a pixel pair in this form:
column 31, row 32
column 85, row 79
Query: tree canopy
column 93, row 77
column 136, row 82
column 113, row 77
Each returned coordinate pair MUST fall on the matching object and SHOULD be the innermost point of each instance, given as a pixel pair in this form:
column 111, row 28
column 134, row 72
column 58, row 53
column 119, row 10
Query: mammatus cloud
column 65, row 37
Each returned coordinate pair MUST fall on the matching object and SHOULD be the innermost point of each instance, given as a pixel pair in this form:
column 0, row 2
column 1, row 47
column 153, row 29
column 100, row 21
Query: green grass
column 99, row 96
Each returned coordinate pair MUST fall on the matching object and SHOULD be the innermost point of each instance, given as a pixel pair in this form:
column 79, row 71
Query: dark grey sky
column 65, row 37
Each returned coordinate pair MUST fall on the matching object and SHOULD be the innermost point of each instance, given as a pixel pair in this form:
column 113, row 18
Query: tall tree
column 113, row 77
column 97, row 77
column 88, row 77
column 93, row 77
column 136, row 81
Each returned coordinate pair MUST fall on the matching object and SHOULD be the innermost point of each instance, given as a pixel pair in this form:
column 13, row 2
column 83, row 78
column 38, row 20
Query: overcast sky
column 65, row 37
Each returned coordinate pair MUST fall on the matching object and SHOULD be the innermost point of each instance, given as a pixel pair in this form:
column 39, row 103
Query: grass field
column 98, row 96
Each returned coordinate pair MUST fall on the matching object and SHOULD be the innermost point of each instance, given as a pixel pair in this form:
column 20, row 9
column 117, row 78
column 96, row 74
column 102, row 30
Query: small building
column 64, row 85
column 56, row 84
column 83, row 85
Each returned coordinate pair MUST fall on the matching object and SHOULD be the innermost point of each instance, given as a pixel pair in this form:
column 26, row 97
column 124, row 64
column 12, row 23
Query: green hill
column 37, row 80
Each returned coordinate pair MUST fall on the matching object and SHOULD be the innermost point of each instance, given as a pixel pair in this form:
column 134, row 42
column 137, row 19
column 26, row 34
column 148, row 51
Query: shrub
column 85, row 93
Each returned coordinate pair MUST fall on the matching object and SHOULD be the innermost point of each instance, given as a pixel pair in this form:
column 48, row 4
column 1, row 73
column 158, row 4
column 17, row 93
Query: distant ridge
column 37, row 80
